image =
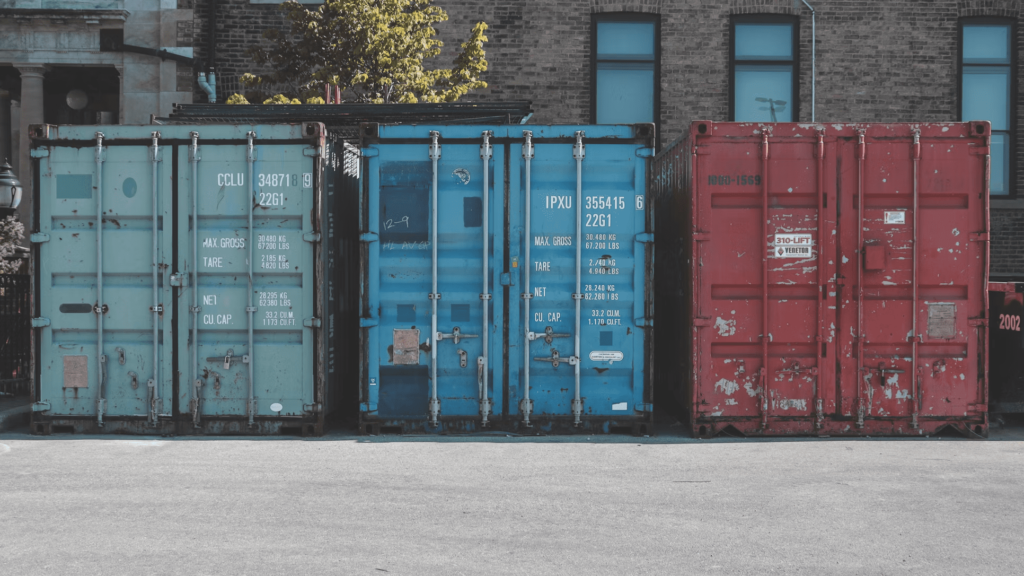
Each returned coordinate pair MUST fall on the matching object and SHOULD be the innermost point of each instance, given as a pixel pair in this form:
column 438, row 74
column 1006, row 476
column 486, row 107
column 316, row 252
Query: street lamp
column 10, row 191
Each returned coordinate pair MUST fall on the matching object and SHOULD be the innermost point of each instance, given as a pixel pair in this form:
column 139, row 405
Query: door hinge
column 40, row 406
column 313, row 151
column 978, row 150
column 311, row 322
column 314, row 408
column 645, row 152
column 39, row 237
column 977, row 321
column 39, row 153
column 702, row 236
column 370, row 152
column 180, row 280
column 702, row 150
column 644, row 407
column 40, row 322
column 979, row 237
column 643, row 322
column 369, row 322
column 368, row 237
column 645, row 237
column 702, row 322
column 311, row 237
column 978, row 407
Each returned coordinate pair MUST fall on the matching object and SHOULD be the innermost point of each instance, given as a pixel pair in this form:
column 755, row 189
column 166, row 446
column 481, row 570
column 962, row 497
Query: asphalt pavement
column 494, row 504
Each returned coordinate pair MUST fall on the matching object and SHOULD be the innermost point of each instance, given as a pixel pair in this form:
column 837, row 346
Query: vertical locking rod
column 578, row 152
column 434, row 406
column 193, row 159
column 154, row 400
column 861, row 379
column 526, row 405
column 101, row 357
column 250, row 309
column 485, row 295
column 914, row 338
column 822, row 282
column 765, row 337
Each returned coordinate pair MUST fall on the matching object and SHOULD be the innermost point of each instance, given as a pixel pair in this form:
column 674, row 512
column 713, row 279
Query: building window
column 764, row 69
column 625, row 86
column 986, row 89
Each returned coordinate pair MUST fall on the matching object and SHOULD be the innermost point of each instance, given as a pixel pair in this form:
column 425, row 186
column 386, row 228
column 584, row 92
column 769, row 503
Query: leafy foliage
column 237, row 99
column 281, row 99
column 373, row 49
column 12, row 232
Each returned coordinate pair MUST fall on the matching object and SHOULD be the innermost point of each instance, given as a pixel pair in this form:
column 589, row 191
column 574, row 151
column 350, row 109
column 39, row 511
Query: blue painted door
column 568, row 345
column 439, row 315
column 583, row 253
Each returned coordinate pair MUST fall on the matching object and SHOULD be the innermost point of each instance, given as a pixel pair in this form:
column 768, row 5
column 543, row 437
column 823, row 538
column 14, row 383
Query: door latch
column 547, row 335
column 463, row 358
column 135, row 379
column 556, row 359
column 456, row 335
column 228, row 359
column 882, row 371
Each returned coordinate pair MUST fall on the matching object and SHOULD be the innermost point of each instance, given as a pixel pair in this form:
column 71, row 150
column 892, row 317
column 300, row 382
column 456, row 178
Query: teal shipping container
column 181, row 278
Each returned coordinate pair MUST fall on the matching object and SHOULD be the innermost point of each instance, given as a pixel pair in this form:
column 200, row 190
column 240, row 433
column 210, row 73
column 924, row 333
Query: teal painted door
column 214, row 352
column 80, row 361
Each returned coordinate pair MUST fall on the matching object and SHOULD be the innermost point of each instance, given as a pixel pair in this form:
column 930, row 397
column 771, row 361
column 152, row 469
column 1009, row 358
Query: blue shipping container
column 507, row 277
column 180, row 278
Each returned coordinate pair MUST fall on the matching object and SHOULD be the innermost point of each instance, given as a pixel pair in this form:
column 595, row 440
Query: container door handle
column 455, row 336
column 548, row 335
column 555, row 359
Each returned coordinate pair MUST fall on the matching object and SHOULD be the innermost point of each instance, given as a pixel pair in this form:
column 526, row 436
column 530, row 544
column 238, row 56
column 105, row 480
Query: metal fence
column 15, row 334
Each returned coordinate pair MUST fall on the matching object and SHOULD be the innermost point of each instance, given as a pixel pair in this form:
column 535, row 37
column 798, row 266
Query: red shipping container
column 835, row 277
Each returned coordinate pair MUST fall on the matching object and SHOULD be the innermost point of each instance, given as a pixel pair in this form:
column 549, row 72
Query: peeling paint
column 725, row 327
column 727, row 386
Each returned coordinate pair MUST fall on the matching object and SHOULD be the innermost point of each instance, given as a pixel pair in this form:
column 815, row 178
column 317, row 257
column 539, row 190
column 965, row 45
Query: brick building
column 676, row 61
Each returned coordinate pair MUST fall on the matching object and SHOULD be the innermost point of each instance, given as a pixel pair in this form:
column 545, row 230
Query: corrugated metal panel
column 171, row 325
column 588, row 332
column 838, row 277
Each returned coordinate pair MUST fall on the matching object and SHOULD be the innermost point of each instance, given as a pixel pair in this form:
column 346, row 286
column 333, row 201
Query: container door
column 437, row 352
column 105, row 287
column 1006, row 347
column 912, row 260
column 764, row 249
column 584, row 280
column 246, row 344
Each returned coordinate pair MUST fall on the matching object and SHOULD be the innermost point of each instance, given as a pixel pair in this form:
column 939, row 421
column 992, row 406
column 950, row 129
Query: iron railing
column 15, row 334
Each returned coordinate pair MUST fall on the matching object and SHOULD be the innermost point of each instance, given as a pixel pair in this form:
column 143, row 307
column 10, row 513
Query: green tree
column 373, row 49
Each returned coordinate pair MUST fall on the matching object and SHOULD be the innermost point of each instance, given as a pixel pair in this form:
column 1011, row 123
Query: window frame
column 626, row 17
column 1011, row 168
column 795, row 62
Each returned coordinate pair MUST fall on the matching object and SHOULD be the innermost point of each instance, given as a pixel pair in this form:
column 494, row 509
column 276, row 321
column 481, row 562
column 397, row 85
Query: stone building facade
column 57, row 66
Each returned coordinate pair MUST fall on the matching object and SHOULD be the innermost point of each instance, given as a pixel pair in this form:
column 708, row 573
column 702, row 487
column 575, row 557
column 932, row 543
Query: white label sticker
column 792, row 246
column 276, row 407
column 606, row 356
column 896, row 217
column 620, row 406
